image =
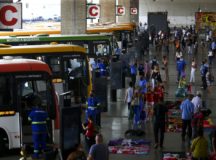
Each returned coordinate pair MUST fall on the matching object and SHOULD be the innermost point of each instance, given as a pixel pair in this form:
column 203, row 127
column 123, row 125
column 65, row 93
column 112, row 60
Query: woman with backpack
column 155, row 77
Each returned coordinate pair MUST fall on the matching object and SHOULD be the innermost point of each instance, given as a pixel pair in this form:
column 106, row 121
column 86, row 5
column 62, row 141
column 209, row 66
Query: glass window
column 86, row 47
column 76, row 68
column 101, row 49
column 36, row 87
column 5, row 91
column 55, row 65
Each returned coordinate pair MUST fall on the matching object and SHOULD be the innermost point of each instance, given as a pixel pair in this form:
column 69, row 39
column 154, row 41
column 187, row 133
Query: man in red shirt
column 89, row 134
column 150, row 102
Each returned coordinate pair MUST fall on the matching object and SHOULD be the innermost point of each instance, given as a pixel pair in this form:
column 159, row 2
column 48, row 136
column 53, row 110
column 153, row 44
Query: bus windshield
column 76, row 67
column 73, row 65
column 26, row 86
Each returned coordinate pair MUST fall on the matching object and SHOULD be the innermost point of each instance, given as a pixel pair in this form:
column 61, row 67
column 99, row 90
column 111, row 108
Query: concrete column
column 73, row 16
column 134, row 17
column 108, row 11
column 125, row 18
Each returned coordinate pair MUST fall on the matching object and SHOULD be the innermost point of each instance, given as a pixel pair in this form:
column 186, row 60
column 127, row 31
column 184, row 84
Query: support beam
column 108, row 11
column 134, row 17
column 73, row 16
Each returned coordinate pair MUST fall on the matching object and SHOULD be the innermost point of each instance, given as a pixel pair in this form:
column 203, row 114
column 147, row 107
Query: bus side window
column 5, row 91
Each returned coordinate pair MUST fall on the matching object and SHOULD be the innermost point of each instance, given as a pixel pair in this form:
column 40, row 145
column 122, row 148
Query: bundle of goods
column 208, row 125
column 174, row 119
column 206, row 112
column 134, row 132
column 181, row 93
column 129, row 146
column 175, row 156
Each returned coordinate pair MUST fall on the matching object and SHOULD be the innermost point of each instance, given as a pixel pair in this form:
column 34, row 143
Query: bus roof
column 40, row 49
column 110, row 28
column 53, row 38
column 100, row 29
column 132, row 24
column 23, row 65
column 28, row 33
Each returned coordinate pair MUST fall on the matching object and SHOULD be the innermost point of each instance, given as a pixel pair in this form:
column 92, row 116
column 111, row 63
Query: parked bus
column 96, row 45
column 121, row 31
column 69, row 65
column 29, row 33
column 19, row 80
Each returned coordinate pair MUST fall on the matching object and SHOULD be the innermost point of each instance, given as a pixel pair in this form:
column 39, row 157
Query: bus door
column 28, row 87
column 76, row 70
column 129, row 37
column 9, row 117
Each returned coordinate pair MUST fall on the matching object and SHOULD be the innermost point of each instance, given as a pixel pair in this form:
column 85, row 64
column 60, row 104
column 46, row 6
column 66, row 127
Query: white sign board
column 133, row 11
column 93, row 11
column 120, row 10
column 10, row 15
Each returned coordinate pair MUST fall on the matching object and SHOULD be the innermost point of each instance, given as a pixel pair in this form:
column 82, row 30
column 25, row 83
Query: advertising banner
column 205, row 20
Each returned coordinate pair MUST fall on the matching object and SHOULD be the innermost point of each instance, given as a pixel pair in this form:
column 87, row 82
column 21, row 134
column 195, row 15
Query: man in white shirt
column 197, row 101
column 129, row 96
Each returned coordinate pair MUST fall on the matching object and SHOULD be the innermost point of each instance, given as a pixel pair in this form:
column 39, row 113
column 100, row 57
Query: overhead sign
column 120, row 10
column 93, row 11
column 133, row 11
column 10, row 15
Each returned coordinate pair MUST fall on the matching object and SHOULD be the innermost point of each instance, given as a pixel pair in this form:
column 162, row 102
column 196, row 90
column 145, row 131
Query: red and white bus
column 19, row 79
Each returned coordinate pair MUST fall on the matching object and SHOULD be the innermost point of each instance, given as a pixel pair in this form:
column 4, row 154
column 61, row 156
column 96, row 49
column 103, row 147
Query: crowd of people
column 145, row 95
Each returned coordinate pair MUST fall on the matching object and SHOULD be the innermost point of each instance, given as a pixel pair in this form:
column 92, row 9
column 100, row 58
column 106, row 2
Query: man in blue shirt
column 102, row 68
column 187, row 109
column 203, row 70
column 142, row 85
column 180, row 65
column 98, row 151
column 93, row 109
column 133, row 72
column 38, row 118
